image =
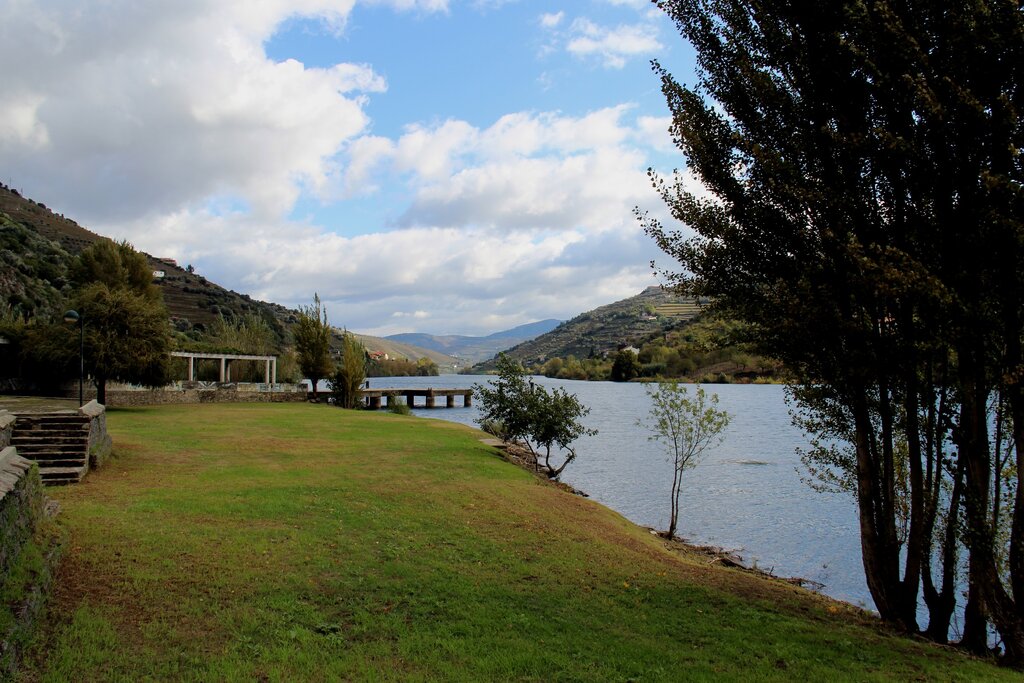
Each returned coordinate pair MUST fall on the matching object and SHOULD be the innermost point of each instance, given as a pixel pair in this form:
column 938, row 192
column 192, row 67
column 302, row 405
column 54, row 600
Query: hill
column 192, row 301
column 604, row 329
column 396, row 349
column 37, row 246
column 475, row 349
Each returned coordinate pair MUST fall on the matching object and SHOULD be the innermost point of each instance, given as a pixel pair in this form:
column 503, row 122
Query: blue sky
column 425, row 165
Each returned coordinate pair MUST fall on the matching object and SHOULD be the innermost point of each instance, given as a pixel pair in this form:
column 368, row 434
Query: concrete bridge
column 381, row 398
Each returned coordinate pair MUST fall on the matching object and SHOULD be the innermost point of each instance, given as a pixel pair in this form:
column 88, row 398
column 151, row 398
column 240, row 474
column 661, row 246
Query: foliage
column 350, row 374
column 398, row 406
column 400, row 367
column 312, row 335
column 116, row 265
column 705, row 349
column 126, row 338
column 248, row 334
column 33, row 272
column 426, row 368
column 125, row 330
column 863, row 219
column 686, row 427
column 531, row 414
column 625, row 366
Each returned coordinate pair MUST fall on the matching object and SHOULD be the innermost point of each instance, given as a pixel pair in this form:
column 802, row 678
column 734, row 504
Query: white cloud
column 653, row 131
column 551, row 20
column 526, row 219
column 123, row 107
column 613, row 46
column 168, row 125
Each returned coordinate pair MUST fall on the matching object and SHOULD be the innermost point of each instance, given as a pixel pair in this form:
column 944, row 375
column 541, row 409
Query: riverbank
column 300, row 542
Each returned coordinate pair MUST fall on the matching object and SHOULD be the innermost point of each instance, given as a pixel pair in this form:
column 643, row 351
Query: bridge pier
column 386, row 398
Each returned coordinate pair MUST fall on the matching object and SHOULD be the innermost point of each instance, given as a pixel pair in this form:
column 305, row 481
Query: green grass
column 302, row 542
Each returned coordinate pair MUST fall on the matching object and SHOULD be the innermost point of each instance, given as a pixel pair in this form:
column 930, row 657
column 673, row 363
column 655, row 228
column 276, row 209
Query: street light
column 72, row 316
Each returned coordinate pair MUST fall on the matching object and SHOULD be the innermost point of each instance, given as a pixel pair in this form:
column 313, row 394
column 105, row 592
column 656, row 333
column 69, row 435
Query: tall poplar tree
column 862, row 161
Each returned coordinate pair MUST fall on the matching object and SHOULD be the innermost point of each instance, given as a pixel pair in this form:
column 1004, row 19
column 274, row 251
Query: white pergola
column 225, row 359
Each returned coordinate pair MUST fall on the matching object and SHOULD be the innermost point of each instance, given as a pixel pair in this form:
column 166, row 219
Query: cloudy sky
column 445, row 166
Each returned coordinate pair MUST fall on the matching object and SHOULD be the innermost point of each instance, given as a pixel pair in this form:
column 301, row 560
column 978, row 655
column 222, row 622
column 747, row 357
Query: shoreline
column 522, row 457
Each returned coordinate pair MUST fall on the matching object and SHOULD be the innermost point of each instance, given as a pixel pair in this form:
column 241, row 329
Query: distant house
column 168, row 261
column 159, row 274
column 632, row 349
column 378, row 355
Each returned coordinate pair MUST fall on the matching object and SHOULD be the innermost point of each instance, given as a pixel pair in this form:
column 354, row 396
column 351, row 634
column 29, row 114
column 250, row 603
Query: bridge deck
column 381, row 398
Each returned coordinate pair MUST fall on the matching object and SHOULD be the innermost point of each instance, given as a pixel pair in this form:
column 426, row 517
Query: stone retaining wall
column 21, row 504
column 30, row 549
column 6, row 428
column 100, row 444
column 164, row 396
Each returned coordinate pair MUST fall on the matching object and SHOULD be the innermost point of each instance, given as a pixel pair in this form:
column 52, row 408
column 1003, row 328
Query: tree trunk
column 101, row 390
column 676, row 487
column 942, row 603
column 879, row 552
column 918, row 544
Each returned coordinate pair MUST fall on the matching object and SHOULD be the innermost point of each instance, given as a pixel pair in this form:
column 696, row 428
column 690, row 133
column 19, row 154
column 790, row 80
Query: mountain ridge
column 474, row 349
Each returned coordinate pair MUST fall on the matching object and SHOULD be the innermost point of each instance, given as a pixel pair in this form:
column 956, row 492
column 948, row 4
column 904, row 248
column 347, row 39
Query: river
column 747, row 496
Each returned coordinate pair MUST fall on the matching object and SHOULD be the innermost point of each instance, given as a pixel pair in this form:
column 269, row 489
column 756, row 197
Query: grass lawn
column 302, row 542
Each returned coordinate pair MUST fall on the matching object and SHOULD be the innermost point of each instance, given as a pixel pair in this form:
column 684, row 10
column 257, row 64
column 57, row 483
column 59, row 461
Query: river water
column 747, row 496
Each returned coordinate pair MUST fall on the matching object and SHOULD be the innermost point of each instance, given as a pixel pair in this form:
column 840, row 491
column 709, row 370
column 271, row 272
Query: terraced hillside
column 191, row 299
column 604, row 329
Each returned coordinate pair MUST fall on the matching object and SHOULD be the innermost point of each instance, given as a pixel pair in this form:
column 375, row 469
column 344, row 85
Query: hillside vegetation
column 669, row 336
column 299, row 542
column 603, row 330
column 37, row 247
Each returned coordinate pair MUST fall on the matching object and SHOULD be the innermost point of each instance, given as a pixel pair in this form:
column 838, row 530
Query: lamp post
column 72, row 316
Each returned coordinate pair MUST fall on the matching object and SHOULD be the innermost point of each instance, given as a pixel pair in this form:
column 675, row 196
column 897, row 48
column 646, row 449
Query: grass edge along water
column 302, row 542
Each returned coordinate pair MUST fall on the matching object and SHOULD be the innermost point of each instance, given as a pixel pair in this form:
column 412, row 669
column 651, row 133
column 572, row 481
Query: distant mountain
column 604, row 329
column 396, row 349
column 475, row 349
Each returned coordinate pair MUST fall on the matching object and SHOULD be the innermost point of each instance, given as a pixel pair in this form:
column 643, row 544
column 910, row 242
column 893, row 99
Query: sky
column 440, row 166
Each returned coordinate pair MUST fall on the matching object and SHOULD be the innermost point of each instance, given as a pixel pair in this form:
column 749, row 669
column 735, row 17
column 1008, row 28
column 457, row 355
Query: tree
column 127, row 333
column 115, row 264
column 863, row 217
column 525, row 412
column 126, row 337
column 312, row 335
column 426, row 368
column 350, row 374
column 625, row 366
column 687, row 428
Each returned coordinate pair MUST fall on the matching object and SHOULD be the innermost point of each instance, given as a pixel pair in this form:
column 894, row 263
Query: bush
column 398, row 406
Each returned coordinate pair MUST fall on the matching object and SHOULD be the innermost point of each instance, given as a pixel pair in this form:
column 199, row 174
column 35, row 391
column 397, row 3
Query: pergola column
column 223, row 369
column 191, row 369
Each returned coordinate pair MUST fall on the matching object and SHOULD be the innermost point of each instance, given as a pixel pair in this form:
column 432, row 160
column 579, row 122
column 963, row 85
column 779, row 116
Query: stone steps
column 58, row 443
